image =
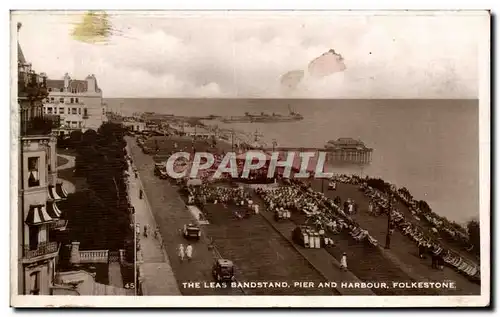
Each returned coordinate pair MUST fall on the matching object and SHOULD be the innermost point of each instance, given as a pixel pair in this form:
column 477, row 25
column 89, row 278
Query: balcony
column 38, row 126
column 44, row 249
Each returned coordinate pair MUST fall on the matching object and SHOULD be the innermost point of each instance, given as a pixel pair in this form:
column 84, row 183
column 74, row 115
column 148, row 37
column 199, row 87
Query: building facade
column 134, row 125
column 78, row 104
column 38, row 190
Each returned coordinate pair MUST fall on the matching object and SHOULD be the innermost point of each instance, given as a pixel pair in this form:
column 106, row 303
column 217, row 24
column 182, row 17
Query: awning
column 53, row 193
column 38, row 215
column 52, row 210
column 61, row 191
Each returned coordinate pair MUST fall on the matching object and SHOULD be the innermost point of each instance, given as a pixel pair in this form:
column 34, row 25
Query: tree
column 75, row 138
column 473, row 229
column 89, row 137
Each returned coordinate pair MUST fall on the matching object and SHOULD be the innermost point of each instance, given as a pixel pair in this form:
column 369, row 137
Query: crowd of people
column 210, row 194
column 321, row 211
column 380, row 203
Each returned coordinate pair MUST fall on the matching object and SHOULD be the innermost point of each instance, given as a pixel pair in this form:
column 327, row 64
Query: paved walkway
column 115, row 274
column 403, row 251
column 171, row 214
column 68, row 186
column 69, row 164
column 158, row 276
column 320, row 259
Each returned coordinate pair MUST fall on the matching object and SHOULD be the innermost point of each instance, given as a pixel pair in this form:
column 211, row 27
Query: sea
column 429, row 146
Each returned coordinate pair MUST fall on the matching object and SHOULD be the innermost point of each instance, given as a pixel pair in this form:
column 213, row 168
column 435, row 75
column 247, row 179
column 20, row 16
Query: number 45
column 130, row 286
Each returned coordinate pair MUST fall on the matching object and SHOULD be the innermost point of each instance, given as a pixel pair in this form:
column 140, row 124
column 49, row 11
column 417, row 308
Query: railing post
column 75, row 252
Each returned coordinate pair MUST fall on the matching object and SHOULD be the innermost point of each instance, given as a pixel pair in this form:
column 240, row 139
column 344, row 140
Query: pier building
column 348, row 150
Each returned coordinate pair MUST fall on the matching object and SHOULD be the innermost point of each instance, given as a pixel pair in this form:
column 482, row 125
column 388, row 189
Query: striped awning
column 61, row 191
column 52, row 210
column 38, row 215
column 53, row 193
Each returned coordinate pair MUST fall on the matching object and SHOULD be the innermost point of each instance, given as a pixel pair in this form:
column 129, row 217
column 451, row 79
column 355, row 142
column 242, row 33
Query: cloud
column 238, row 55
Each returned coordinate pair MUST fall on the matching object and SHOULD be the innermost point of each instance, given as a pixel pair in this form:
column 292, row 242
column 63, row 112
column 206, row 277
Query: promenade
column 170, row 213
column 403, row 253
column 327, row 265
column 158, row 277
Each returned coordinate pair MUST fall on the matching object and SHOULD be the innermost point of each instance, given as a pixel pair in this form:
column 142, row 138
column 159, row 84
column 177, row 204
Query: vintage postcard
column 250, row 159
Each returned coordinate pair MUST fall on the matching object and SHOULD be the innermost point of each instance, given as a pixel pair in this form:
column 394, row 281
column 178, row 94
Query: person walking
column 181, row 252
column 189, row 252
column 343, row 262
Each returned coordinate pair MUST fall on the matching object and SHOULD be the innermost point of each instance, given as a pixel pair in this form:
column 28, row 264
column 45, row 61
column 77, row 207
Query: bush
column 473, row 229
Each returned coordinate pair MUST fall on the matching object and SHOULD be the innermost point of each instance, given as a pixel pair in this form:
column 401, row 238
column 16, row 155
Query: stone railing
column 94, row 256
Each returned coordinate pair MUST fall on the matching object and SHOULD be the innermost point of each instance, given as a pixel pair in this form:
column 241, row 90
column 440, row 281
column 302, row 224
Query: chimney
column 91, row 83
column 75, row 253
column 66, row 81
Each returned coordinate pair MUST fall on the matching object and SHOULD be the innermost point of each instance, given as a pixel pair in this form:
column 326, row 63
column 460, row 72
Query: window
column 33, row 173
column 61, row 89
column 73, row 110
column 79, row 110
column 34, row 231
column 71, row 100
column 74, row 124
column 51, row 99
column 68, row 123
column 49, row 110
column 61, row 110
column 85, row 114
column 76, row 100
column 50, row 89
column 35, row 283
column 61, row 100
column 69, row 110
column 79, row 124
column 73, row 90
column 47, row 100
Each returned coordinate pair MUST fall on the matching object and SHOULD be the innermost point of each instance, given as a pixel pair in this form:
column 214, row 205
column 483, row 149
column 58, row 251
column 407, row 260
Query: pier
column 333, row 155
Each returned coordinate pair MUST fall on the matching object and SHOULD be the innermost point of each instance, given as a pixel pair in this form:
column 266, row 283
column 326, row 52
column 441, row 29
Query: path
column 320, row 259
column 69, row 164
column 115, row 274
column 69, row 186
column 158, row 276
column 170, row 212
column 403, row 251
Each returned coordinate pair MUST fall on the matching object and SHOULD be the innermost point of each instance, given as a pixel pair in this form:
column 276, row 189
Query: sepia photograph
column 250, row 158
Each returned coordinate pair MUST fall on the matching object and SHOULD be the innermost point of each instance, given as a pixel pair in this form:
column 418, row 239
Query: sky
column 243, row 54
